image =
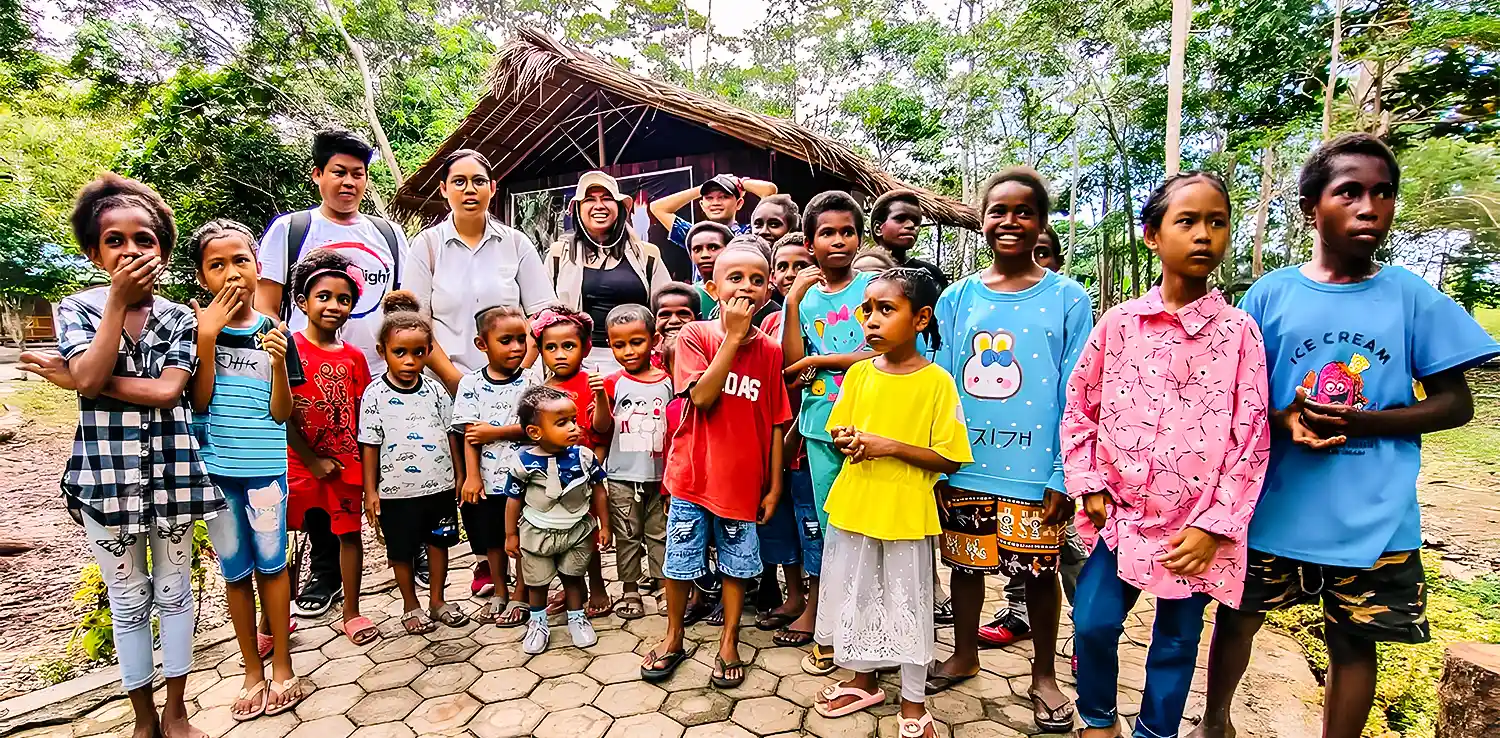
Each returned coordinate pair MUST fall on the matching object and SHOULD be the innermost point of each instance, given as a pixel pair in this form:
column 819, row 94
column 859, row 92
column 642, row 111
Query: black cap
column 728, row 183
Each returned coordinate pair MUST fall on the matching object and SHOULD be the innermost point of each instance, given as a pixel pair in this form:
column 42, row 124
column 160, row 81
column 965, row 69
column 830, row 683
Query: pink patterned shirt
column 1167, row 413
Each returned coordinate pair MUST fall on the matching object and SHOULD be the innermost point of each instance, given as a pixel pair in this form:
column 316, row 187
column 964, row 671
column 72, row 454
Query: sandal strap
column 915, row 727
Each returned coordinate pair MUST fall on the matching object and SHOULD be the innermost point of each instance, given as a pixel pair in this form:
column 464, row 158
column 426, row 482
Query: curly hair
column 536, row 398
column 402, row 313
column 1030, row 178
column 320, row 262
column 1318, row 170
column 832, row 201
column 681, row 289
column 881, row 210
column 111, row 191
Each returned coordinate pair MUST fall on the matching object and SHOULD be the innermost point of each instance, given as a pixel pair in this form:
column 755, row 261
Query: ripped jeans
column 690, row 530
column 132, row 590
column 250, row 537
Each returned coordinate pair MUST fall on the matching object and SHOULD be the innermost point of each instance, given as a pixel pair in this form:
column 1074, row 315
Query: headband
column 549, row 317
column 352, row 273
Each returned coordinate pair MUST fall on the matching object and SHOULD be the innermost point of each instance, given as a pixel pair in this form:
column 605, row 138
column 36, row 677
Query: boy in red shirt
column 724, row 472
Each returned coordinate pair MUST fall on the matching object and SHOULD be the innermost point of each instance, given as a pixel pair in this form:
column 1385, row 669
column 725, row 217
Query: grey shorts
column 547, row 552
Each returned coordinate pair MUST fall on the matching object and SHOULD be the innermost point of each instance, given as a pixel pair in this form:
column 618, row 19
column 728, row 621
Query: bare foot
column 177, row 726
column 1205, row 730
column 147, row 729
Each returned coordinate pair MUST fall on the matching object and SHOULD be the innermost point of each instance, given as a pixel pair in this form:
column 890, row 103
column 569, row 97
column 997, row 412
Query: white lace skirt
column 875, row 601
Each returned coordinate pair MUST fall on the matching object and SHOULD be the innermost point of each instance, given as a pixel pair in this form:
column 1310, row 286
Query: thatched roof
column 538, row 83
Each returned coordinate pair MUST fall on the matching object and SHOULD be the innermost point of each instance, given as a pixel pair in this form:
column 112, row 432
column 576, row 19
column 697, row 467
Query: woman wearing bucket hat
column 602, row 264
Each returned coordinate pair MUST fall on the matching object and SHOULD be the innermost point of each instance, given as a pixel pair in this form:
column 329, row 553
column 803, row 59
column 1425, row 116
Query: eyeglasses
column 461, row 182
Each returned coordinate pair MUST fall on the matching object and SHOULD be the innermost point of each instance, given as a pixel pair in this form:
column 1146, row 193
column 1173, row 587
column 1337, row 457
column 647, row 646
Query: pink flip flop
column 360, row 630
column 835, row 691
column 265, row 644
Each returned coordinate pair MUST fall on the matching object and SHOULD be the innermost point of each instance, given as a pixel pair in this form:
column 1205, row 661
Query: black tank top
column 606, row 289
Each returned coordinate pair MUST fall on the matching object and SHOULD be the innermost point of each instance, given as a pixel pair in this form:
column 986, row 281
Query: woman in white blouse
column 468, row 262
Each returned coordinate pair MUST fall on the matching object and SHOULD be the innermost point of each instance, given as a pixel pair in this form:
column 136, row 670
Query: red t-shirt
column 721, row 456
column 325, row 408
column 577, row 387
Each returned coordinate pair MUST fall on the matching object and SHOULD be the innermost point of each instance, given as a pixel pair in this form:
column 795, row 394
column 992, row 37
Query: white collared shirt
column 505, row 269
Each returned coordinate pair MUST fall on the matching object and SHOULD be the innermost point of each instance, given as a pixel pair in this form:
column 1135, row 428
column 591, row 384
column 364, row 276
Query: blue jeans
column 135, row 587
column 690, row 528
column 250, row 536
column 1098, row 620
column 779, row 541
column 809, row 529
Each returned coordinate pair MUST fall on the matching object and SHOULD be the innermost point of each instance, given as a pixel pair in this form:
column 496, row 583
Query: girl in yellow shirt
column 899, row 424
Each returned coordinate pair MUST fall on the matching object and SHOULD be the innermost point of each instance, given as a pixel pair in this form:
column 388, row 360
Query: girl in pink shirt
column 1165, row 440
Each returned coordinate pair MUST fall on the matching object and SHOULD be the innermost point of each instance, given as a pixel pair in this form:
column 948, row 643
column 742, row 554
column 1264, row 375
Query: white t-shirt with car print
column 410, row 426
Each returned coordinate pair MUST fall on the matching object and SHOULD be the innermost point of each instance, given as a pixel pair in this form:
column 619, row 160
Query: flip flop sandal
column 291, row 686
column 793, row 638
column 250, row 694
column 515, row 615
column 835, row 691
column 648, row 584
column 715, row 616
column 450, row 615
column 265, row 645
column 360, row 630
column 939, row 683
column 673, row 659
column 916, row 728
column 490, row 613
column 723, row 682
column 819, row 661
column 775, row 621
column 417, row 622
column 1051, row 719
column 630, row 606
column 942, row 613
column 316, row 604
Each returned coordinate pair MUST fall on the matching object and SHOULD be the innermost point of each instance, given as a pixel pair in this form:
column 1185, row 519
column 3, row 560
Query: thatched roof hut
column 553, row 112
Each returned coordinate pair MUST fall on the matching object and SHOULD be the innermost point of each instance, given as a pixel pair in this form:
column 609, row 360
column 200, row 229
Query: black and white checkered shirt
column 136, row 467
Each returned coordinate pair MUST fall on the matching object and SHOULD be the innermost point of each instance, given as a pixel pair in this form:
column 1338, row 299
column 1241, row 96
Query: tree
column 32, row 265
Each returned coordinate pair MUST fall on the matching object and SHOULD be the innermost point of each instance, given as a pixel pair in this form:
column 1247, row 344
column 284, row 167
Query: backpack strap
column 296, row 236
column 388, row 232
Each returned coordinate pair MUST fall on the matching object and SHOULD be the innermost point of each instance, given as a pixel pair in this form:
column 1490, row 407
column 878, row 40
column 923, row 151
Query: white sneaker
column 582, row 630
column 537, row 635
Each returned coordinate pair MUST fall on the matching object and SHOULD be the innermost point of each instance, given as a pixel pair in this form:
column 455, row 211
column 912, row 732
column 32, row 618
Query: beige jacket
column 567, row 273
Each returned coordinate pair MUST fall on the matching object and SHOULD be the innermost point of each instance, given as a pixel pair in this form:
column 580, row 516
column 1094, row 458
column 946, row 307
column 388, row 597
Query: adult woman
column 602, row 264
column 468, row 262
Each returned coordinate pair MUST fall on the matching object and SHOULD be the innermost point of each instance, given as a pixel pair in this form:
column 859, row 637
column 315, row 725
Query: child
column 1012, row 333
column 562, row 338
column 129, row 354
column 704, row 242
column 895, row 220
column 639, row 394
column 724, row 473
column 550, row 487
column 676, row 304
column 485, row 412
column 325, row 477
column 1048, row 252
column 789, row 256
column 243, row 389
column 775, row 217
column 824, row 334
column 899, row 424
column 772, row 306
column 1165, row 443
column 411, row 483
column 873, row 259
column 1345, row 338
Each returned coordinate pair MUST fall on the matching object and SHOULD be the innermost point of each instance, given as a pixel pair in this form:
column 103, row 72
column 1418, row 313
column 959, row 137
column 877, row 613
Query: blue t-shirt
column 831, row 324
column 678, row 233
column 238, row 436
column 1011, row 354
column 1360, row 345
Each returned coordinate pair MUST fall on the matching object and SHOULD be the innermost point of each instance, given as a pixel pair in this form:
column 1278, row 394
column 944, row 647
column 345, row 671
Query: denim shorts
column 805, row 510
column 251, row 535
column 779, row 544
column 690, row 530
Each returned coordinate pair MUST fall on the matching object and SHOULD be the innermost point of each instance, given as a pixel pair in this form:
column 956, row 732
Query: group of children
column 869, row 422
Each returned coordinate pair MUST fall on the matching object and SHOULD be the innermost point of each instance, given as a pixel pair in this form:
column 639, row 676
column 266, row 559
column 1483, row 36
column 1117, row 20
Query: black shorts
column 1384, row 603
column 408, row 524
column 485, row 522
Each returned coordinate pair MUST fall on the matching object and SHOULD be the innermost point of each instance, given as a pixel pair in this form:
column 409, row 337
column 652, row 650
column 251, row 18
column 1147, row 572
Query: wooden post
column 1182, row 20
column 1262, row 210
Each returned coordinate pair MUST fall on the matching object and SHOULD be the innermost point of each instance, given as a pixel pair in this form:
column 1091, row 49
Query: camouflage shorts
column 1385, row 603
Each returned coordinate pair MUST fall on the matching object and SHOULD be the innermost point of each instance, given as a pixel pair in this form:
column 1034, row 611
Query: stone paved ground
column 474, row 681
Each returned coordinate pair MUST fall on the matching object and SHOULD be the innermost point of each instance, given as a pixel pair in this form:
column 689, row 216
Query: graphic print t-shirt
column 361, row 243
column 636, row 451
column 411, row 428
column 1011, row 354
column 325, row 408
column 241, row 438
column 831, row 324
column 482, row 399
column 1359, row 345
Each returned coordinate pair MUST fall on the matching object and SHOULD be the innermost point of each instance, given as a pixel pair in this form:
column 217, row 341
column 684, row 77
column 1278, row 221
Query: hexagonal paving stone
column 215, row 722
column 396, row 649
column 384, row 730
column 766, row 715
column 446, row 679
column 759, row 639
column 801, row 689
column 558, row 661
column 578, row 722
column 758, row 683
column 490, row 635
column 858, row 725
column 219, row 695
column 1006, row 662
column 615, row 668
column 325, row 702
column 384, row 707
column 306, row 662
column 717, row 730
column 565, row 692
column 506, row 684
column 346, row 670
column 654, row 725
column 697, row 707
column 615, row 641
column 781, row 661
column 390, row 675
column 444, row 633
column 499, row 656
column 955, row 707
column 274, row 726
column 986, row 729
column 1013, row 715
column 986, row 686
column 689, row 675
column 197, row 682
column 650, row 630
column 341, row 647
column 309, row 638
column 630, row 698
column 448, row 652
column 443, row 714
column 333, row 726
column 510, row 719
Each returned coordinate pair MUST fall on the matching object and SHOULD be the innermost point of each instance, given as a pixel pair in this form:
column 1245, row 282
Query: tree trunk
column 1333, row 67
column 1182, row 20
column 1073, row 205
column 358, row 54
column 1106, row 281
column 1469, row 691
column 1262, row 210
column 1135, row 251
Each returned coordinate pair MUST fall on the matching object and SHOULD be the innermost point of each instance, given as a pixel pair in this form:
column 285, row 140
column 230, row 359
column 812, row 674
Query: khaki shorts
column 547, row 552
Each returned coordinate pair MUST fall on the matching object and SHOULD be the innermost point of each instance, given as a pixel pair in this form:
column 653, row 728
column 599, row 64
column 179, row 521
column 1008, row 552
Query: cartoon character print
column 992, row 371
column 1339, row 383
column 643, row 424
column 842, row 331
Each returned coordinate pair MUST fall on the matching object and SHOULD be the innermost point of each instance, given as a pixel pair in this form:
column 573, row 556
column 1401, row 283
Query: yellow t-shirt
column 886, row 498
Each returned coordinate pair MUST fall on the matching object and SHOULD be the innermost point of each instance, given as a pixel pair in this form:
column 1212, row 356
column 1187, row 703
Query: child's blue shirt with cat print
column 831, row 324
